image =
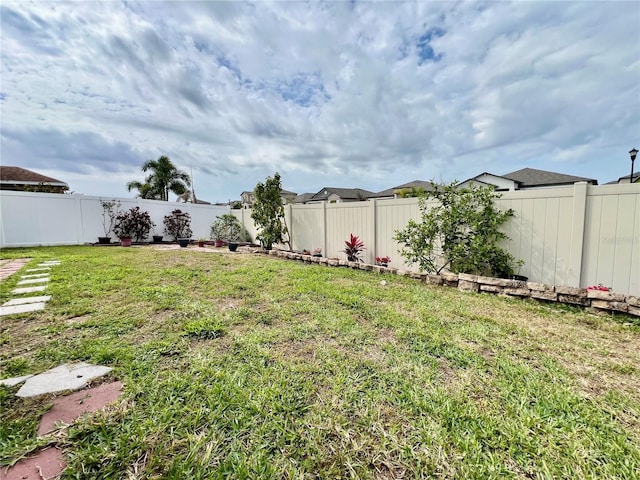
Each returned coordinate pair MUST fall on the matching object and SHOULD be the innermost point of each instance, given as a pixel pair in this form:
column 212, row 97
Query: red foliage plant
column 353, row 248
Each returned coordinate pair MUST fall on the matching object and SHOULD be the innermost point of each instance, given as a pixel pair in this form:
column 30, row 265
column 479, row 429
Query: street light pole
column 632, row 153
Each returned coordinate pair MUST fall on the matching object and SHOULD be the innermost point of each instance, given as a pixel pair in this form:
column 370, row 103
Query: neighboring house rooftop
column 625, row 179
column 531, row 177
column 526, row 178
column 346, row 194
column 303, row 197
column 21, row 179
column 393, row 191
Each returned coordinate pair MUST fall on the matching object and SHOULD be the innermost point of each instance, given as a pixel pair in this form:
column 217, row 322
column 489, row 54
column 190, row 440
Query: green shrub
column 461, row 231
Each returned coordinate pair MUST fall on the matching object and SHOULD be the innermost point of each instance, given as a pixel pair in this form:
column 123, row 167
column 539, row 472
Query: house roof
column 303, row 197
column 390, row 192
column 22, row 176
column 531, row 177
column 344, row 193
column 19, row 175
column 636, row 178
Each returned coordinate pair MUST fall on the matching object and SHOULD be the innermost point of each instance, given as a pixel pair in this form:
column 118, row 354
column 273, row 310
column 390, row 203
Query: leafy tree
column 268, row 213
column 164, row 177
column 461, row 230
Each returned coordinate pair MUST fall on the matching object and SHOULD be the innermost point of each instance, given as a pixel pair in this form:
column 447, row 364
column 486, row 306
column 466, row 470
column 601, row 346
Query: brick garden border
column 595, row 299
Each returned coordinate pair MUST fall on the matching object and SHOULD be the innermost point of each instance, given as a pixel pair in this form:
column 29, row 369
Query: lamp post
column 632, row 153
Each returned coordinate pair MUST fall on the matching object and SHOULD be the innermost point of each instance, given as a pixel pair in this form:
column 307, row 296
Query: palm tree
column 164, row 177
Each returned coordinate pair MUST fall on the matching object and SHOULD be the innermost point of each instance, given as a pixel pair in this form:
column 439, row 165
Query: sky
column 337, row 94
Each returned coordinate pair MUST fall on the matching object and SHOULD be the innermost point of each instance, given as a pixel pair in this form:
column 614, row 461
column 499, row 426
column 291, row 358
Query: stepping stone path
column 29, row 304
column 49, row 463
column 9, row 267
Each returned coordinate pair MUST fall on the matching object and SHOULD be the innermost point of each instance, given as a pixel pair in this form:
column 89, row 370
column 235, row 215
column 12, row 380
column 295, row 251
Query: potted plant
column 178, row 225
column 109, row 212
column 217, row 232
column 316, row 252
column 228, row 228
column 132, row 224
column 201, row 241
column 383, row 261
column 156, row 238
column 353, row 248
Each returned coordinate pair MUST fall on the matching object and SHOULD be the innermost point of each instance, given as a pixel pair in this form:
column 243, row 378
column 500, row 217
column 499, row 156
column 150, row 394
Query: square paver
column 33, row 280
column 10, row 382
column 63, row 377
column 25, row 300
column 16, row 309
column 35, row 275
column 20, row 291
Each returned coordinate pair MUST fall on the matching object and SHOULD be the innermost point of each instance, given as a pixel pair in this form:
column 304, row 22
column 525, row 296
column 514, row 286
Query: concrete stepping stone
column 33, row 280
column 47, row 464
column 35, row 275
column 12, row 382
column 22, row 301
column 70, row 407
column 64, row 377
column 43, row 269
column 25, row 308
column 48, row 265
column 19, row 291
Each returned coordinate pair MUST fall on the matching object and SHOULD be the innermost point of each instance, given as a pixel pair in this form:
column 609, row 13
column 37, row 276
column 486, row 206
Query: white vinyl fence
column 573, row 236
column 31, row 219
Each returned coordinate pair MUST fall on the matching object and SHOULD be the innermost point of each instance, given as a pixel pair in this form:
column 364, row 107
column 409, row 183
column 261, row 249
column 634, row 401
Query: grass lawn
column 243, row 366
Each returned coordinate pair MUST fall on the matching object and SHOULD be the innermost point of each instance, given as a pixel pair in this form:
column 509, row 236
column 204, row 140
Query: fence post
column 324, row 229
column 577, row 233
column 289, row 224
column 374, row 228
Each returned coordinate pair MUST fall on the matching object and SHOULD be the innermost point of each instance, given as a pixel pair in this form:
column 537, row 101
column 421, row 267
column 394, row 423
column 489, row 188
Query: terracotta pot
column 219, row 243
column 125, row 242
column 201, row 243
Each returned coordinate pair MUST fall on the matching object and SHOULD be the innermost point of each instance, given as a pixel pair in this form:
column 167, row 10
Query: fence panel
column 611, row 253
column 393, row 215
column 344, row 219
column 29, row 219
column 306, row 225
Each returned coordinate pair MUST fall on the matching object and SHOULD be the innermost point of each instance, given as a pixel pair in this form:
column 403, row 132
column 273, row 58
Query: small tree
column 178, row 224
column 110, row 210
column 228, row 228
column 268, row 213
column 461, row 230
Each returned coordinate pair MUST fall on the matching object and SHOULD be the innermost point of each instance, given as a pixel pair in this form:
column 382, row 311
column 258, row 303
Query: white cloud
column 343, row 94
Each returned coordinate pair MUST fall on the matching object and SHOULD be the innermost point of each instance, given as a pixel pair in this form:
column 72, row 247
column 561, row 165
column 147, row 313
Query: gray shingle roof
column 344, row 193
column 530, row 177
column 303, row 197
column 389, row 192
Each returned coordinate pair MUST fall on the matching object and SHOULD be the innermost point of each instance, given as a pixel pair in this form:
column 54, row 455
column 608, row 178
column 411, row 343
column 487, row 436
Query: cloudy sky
column 345, row 94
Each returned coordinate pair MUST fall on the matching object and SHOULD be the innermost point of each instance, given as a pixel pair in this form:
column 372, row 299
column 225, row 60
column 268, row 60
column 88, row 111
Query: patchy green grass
column 241, row 366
